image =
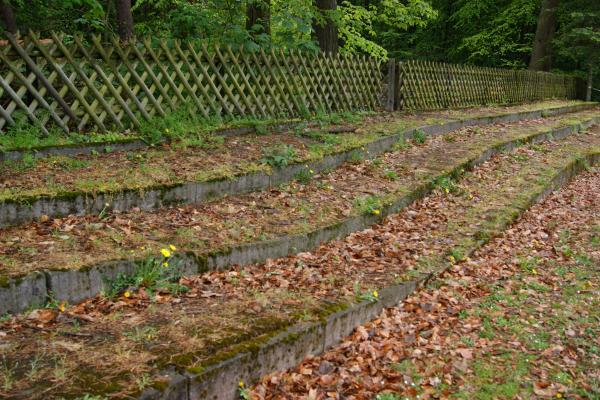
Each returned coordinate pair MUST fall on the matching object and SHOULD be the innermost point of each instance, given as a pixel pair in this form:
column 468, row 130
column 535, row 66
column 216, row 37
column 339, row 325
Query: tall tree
column 258, row 13
column 578, row 38
column 325, row 26
column 8, row 16
column 546, row 26
column 124, row 20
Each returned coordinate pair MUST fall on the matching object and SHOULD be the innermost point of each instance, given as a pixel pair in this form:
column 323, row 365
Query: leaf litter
column 79, row 241
column 104, row 345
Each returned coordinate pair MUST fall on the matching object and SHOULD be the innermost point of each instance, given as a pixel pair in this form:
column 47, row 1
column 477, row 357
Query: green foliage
column 360, row 295
column 356, row 157
column 419, row 137
column 153, row 274
column 391, row 175
column 507, row 40
column 369, row 205
column 279, row 156
column 304, row 175
column 578, row 37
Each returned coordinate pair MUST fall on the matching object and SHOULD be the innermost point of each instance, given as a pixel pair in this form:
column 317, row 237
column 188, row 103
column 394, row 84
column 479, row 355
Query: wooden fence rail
column 423, row 85
column 95, row 84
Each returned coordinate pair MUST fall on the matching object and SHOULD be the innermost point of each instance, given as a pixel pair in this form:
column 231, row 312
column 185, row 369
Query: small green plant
column 419, row 137
column 304, row 175
column 7, row 376
column 519, row 157
column 377, row 162
column 391, row 175
column 261, row 129
column 401, row 144
column 457, row 254
column 136, row 157
column 153, row 274
column 279, row 156
column 243, row 391
column 28, row 161
column 142, row 334
column 449, row 138
column 103, row 214
column 369, row 205
column 545, row 114
column 355, row 157
column 368, row 295
column 446, row 184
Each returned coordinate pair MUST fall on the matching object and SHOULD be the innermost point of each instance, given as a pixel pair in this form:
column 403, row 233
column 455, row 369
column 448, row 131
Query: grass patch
column 369, row 205
column 279, row 156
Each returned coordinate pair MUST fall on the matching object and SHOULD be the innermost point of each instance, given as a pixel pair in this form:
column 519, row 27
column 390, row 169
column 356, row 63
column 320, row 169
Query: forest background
column 546, row 35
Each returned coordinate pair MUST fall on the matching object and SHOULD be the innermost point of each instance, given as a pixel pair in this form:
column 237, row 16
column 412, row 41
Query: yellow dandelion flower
column 127, row 294
column 241, row 384
column 446, row 190
column 62, row 306
column 376, row 212
column 375, row 293
column 142, row 248
column 165, row 264
column 452, row 259
column 558, row 395
column 312, row 172
column 534, row 271
column 173, row 248
column 165, row 252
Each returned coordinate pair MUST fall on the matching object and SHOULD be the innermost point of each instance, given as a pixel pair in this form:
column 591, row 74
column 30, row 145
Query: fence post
column 391, row 84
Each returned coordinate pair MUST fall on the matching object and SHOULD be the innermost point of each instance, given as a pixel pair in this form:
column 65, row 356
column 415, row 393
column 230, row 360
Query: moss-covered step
column 72, row 146
column 21, row 204
column 283, row 350
column 202, row 344
column 135, row 143
column 74, row 285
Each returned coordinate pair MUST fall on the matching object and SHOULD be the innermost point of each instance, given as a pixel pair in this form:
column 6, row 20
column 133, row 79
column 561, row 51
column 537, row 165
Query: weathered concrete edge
column 25, row 209
column 289, row 348
column 18, row 294
column 135, row 143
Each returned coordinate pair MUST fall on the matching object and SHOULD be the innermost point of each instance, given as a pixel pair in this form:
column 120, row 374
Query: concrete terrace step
column 241, row 324
column 73, row 258
column 163, row 177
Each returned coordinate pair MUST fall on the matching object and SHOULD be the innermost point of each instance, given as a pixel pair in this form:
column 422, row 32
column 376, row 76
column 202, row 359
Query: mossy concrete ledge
column 285, row 350
column 129, row 144
column 76, row 285
column 282, row 351
column 24, row 209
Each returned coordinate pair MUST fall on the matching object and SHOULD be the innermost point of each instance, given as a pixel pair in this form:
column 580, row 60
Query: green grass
column 419, row 137
column 279, row 156
column 369, row 205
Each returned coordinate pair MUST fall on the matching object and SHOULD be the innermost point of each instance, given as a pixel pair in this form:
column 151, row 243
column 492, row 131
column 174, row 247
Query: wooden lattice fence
column 423, row 85
column 96, row 83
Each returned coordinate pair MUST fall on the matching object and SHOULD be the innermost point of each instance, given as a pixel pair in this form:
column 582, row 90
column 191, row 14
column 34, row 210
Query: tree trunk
column 546, row 26
column 124, row 20
column 588, row 92
column 326, row 31
column 259, row 13
column 8, row 16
